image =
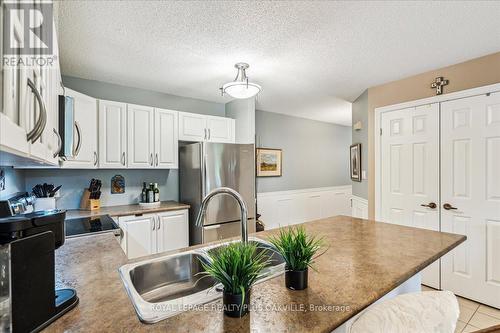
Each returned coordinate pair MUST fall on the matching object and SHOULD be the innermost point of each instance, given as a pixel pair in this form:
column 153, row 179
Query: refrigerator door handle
column 209, row 227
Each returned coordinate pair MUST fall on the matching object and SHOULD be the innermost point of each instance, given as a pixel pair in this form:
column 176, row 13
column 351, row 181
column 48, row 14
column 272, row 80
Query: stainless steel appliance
column 205, row 166
column 69, row 129
column 92, row 225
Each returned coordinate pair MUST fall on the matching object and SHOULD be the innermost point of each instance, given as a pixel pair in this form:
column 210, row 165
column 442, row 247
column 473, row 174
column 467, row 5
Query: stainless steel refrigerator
column 205, row 166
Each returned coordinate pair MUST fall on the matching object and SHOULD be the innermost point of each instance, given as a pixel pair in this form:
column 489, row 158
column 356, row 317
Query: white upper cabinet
column 192, row 127
column 84, row 149
column 220, row 129
column 165, row 139
column 112, row 135
column 197, row 127
column 29, row 114
column 140, row 134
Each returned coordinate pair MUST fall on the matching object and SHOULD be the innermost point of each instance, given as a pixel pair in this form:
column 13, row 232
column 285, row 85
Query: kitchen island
column 365, row 261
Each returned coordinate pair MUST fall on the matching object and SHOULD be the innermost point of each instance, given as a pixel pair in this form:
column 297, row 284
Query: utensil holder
column 45, row 204
column 89, row 204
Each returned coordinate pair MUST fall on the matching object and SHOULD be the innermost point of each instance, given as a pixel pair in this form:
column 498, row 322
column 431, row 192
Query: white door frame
column 429, row 100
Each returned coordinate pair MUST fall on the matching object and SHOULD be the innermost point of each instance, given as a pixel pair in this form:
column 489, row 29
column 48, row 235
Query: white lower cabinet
column 172, row 232
column 154, row 233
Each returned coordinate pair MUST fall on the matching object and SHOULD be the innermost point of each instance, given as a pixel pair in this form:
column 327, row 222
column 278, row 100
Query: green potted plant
column 236, row 266
column 298, row 249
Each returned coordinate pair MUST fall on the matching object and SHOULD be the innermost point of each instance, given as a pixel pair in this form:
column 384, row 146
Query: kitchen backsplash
column 74, row 181
column 13, row 181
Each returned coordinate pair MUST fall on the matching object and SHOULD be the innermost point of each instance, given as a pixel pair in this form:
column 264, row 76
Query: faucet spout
column 237, row 197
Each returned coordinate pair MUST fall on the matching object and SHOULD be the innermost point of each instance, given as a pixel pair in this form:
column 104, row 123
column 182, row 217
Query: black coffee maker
column 28, row 298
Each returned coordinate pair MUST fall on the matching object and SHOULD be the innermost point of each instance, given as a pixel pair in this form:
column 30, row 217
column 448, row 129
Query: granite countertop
column 124, row 210
column 364, row 261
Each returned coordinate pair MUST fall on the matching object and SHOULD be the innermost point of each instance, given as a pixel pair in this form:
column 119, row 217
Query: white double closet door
column 448, row 154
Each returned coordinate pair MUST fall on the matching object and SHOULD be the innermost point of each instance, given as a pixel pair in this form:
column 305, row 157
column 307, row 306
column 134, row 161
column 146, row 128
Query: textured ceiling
column 311, row 58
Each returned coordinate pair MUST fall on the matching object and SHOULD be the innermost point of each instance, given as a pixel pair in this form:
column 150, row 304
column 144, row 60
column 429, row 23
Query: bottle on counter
column 151, row 195
column 156, row 191
column 144, row 193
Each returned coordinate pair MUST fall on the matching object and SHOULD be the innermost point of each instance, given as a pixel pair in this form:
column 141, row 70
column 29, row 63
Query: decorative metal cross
column 438, row 84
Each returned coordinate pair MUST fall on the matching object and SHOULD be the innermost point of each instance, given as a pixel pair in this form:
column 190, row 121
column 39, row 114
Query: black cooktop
column 89, row 225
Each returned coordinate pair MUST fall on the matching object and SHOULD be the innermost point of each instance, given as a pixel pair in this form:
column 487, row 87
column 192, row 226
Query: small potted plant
column 298, row 249
column 236, row 266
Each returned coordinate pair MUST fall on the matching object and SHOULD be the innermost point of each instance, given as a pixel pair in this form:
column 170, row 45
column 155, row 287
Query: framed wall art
column 355, row 162
column 269, row 162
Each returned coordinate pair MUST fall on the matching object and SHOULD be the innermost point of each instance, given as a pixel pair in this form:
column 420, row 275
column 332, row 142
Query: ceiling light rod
column 240, row 87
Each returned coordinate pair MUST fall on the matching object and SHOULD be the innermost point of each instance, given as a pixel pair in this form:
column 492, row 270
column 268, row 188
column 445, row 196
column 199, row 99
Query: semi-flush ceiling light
column 240, row 88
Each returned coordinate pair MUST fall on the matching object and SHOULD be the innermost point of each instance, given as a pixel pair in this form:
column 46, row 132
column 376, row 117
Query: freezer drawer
column 227, row 230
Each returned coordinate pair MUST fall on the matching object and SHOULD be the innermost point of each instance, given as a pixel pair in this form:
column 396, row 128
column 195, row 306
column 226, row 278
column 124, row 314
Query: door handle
column 123, row 158
column 447, row 206
column 430, row 205
column 205, row 137
column 209, row 227
column 209, row 134
column 151, row 159
column 37, row 131
column 96, row 159
column 156, row 159
column 59, row 143
column 79, row 142
column 159, row 224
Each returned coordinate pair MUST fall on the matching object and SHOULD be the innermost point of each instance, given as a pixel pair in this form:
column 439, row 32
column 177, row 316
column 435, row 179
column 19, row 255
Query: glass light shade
column 241, row 90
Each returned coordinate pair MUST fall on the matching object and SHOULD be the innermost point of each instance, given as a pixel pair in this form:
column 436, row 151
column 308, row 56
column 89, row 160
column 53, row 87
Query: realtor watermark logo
column 27, row 33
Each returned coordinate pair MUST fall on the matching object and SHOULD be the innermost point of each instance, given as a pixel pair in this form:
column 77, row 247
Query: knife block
column 89, row 204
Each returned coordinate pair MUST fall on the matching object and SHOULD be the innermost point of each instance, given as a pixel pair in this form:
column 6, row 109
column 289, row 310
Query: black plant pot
column 296, row 280
column 234, row 305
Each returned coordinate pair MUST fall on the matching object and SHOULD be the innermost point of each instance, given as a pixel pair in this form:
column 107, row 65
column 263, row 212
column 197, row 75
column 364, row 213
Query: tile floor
column 474, row 316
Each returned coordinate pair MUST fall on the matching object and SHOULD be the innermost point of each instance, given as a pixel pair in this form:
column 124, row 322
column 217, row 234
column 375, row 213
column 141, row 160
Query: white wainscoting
column 359, row 207
column 284, row 208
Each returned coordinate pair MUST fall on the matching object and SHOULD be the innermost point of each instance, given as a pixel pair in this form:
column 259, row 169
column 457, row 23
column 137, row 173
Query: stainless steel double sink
column 165, row 286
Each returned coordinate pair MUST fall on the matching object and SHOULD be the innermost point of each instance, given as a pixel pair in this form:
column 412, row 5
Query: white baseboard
column 359, row 207
column 284, row 208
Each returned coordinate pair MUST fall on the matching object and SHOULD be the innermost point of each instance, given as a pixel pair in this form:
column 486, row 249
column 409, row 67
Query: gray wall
column 360, row 113
column 315, row 154
column 114, row 92
column 74, row 181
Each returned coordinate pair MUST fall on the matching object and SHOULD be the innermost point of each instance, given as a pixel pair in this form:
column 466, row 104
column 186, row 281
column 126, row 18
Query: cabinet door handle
column 151, row 159
column 59, row 143
column 79, row 141
column 154, row 224
column 156, row 159
column 205, row 137
column 37, row 131
column 96, row 158
column 123, row 158
column 209, row 134
column 159, row 224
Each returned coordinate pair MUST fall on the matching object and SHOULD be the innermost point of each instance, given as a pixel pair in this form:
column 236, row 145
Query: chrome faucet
column 237, row 197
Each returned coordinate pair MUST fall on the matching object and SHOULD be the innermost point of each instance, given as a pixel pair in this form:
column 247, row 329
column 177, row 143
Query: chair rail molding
column 359, row 207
